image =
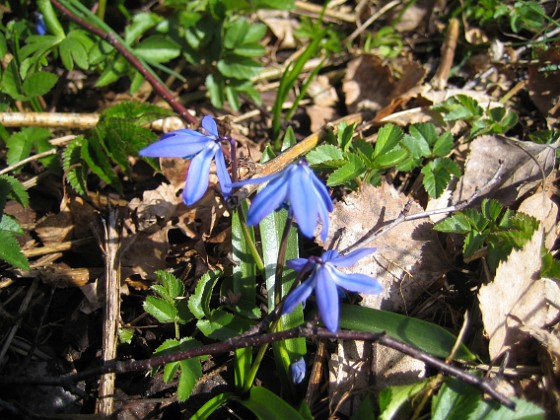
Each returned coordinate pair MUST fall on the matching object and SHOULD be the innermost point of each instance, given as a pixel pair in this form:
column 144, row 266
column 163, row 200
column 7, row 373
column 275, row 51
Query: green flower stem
column 281, row 261
column 101, row 8
column 250, row 243
column 50, row 18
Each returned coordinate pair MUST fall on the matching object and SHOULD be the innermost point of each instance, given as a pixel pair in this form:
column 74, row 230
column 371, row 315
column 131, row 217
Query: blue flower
column 40, row 26
column 297, row 185
column 298, row 370
column 201, row 149
column 325, row 279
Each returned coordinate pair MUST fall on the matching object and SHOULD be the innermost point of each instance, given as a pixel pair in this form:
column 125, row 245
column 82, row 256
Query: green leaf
column 162, row 310
column 325, row 155
column 437, row 175
column 266, row 405
column 190, row 369
column 11, row 82
column 221, row 325
column 39, row 83
column 347, row 172
column 212, row 405
column 391, row 158
column 550, row 266
column 457, row 400
column 136, row 112
column 244, row 274
column 443, row 145
column 126, row 335
column 424, row 133
column 9, row 224
column 173, row 286
column 491, row 209
column 457, row 223
column 21, row 144
column 10, row 251
column 141, row 23
column 473, row 242
column 75, row 171
column 460, row 107
column 238, row 67
column 428, row 337
column 12, row 188
column 72, row 50
column 158, row 48
column 392, row 398
column 199, row 301
column 388, row 138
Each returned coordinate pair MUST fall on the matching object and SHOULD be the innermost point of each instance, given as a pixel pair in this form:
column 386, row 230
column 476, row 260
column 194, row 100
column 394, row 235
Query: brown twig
column 307, row 331
column 158, row 86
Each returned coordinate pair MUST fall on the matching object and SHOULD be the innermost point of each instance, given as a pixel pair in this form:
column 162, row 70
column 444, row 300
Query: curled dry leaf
column 525, row 300
column 525, row 165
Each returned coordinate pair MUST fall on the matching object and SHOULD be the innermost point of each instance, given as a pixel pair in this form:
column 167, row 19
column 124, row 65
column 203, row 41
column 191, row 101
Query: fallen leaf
column 524, row 300
column 525, row 165
column 545, row 210
column 544, row 86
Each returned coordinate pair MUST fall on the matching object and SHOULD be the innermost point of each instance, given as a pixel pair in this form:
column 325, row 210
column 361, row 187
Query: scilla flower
column 325, row 279
column 201, row 149
column 297, row 186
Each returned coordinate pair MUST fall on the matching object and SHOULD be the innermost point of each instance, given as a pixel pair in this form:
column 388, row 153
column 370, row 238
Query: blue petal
column 327, row 299
column 298, row 264
column 322, row 190
column 329, row 255
column 176, row 146
column 299, row 295
column 210, row 126
column 267, row 200
column 303, row 201
column 324, row 217
column 222, row 172
column 197, row 177
column 351, row 258
column 297, row 370
column 359, row 283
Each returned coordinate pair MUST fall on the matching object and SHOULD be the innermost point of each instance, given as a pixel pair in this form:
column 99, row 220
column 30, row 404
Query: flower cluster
column 296, row 187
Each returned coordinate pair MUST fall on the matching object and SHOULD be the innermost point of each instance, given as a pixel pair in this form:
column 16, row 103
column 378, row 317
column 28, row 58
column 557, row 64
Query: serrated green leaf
column 10, row 251
column 73, row 167
column 126, row 335
column 39, row 83
column 428, row 337
column 72, row 50
column 190, row 369
column 457, row 223
column 473, row 242
column 550, row 266
column 491, row 209
column 199, row 301
column 221, row 325
column 425, row 132
column 391, row 158
column 437, row 175
column 460, row 107
column 162, row 310
column 158, row 48
column 443, row 145
column 347, row 172
column 9, row 224
column 21, row 143
column 388, row 138
column 136, row 112
column 417, row 147
column 12, row 188
column 38, row 45
column 235, row 33
column 173, row 286
column 326, row 154
column 238, row 67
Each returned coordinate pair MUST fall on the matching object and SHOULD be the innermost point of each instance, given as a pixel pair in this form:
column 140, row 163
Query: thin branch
column 152, row 79
column 405, row 217
column 307, row 331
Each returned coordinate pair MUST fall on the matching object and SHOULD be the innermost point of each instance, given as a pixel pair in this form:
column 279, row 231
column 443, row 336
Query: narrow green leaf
column 244, row 270
column 158, row 48
column 428, row 337
column 212, row 405
column 392, row 398
column 266, row 405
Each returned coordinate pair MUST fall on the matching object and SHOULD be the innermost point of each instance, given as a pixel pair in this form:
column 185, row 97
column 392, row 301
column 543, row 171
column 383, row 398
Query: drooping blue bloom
column 40, row 25
column 200, row 149
column 298, row 370
column 297, row 186
column 325, row 279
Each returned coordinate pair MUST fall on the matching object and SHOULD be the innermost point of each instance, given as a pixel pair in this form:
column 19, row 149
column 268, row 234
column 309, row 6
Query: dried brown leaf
column 525, row 165
column 524, row 300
